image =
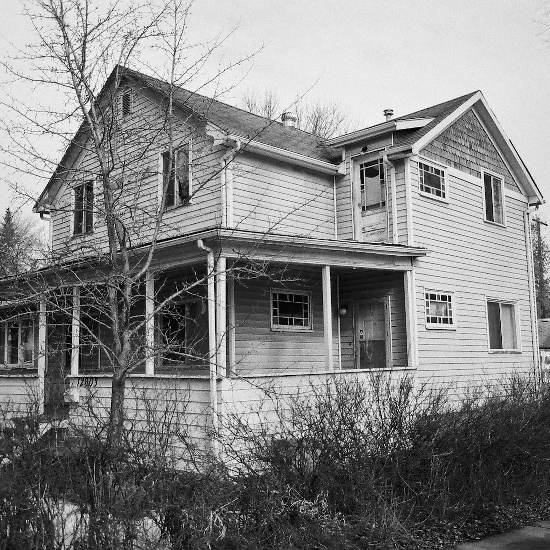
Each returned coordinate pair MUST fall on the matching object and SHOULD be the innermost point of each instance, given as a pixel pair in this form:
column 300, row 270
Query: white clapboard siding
column 261, row 350
column 344, row 205
column 276, row 197
column 19, row 395
column 474, row 260
column 139, row 146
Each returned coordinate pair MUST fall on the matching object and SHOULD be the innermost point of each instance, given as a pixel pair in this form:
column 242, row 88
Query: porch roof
column 242, row 245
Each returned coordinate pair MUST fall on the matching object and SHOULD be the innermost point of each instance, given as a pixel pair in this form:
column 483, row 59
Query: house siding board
column 271, row 196
column 401, row 197
column 141, row 141
column 358, row 286
column 261, row 350
column 465, row 145
column 474, row 260
column 18, row 395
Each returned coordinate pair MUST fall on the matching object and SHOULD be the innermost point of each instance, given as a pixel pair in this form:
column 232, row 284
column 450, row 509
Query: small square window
column 432, row 180
column 439, row 309
column 501, row 317
column 290, row 310
column 493, row 194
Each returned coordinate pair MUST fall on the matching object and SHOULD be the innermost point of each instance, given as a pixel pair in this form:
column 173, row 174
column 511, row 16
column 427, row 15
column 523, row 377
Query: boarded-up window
column 432, row 180
column 492, row 187
column 83, row 208
column 439, row 309
column 372, row 184
column 290, row 310
column 502, row 326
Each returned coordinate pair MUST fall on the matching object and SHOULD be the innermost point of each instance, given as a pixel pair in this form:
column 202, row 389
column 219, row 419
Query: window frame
column 516, row 325
column 277, row 327
column 445, row 180
column 371, row 157
column 440, row 326
column 86, row 224
column 187, row 147
column 493, row 176
column 21, row 364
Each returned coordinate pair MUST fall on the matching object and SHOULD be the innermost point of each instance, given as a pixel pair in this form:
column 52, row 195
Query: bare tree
column 78, row 44
column 322, row 118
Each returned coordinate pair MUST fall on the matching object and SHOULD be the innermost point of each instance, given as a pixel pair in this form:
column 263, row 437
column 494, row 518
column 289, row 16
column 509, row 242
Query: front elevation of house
column 283, row 258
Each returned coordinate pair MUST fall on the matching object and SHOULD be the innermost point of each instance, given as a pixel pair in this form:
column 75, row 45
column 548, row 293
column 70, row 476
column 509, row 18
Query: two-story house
column 404, row 246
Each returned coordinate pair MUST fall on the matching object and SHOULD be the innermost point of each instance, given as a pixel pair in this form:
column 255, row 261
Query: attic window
column 126, row 101
column 432, row 180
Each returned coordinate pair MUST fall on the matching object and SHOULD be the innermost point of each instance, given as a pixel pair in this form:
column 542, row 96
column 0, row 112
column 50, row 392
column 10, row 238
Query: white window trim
column 502, row 196
column 517, row 325
column 160, row 172
column 290, row 328
column 4, row 365
column 445, row 170
column 437, row 326
column 73, row 187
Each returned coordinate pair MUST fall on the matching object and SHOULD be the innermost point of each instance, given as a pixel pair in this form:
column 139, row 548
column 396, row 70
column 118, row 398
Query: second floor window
column 83, row 208
column 372, row 184
column 432, row 180
column 176, row 176
column 492, row 188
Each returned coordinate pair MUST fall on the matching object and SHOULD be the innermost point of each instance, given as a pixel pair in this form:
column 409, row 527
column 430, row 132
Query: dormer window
column 372, row 184
column 83, row 208
column 176, row 176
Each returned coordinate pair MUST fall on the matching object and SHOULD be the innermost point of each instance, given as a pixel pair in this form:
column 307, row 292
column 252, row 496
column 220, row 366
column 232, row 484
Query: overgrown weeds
column 352, row 464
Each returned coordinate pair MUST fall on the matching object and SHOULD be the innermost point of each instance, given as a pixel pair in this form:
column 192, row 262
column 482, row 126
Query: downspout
column 532, row 299
column 227, row 183
column 212, row 341
column 395, row 233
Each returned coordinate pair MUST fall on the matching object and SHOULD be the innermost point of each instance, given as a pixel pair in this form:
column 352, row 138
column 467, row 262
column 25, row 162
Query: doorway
column 372, row 333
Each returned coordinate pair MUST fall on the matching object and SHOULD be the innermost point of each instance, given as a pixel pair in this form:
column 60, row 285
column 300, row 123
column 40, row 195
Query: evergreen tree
column 541, row 259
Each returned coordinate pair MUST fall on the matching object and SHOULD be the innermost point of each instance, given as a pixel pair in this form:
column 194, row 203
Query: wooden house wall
column 360, row 286
column 473, row 259
column 261, row 350
column 19, row 395
column 466, row 146
column 140, row 140
column 276, row 197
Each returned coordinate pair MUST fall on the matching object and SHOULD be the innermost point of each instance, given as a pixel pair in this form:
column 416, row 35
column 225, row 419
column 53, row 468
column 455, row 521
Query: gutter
column 212, row 352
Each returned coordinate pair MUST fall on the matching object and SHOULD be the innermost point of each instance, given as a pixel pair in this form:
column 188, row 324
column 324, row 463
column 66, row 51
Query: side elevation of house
column 283, row 258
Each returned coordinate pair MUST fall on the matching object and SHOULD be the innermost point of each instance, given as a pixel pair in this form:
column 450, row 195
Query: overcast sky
column 373, row 55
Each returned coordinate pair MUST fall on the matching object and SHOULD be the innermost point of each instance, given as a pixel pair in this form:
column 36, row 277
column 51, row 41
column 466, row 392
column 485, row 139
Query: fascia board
column 411, row 123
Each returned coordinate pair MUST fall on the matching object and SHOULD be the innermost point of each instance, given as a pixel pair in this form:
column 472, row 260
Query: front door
column 372, row 335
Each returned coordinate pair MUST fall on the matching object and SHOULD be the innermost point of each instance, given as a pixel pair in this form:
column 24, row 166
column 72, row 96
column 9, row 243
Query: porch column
column 410, row 314
column 41, row 353
column 327, row 318
column 231, row 353
column 149, row 324
column 221, row 313
column 75, row 333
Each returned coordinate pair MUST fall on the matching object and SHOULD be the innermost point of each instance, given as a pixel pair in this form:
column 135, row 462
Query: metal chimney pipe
column 289, row 119
column 388, row 113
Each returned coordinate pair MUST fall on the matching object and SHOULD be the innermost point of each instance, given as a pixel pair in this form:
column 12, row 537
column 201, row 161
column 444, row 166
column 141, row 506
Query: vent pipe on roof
column 388, row 113
column 289, row 119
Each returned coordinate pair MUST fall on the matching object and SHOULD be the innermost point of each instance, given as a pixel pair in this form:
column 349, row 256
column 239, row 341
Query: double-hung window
column 439, row 309
column 501, row 318
column 17, row 342
column 176, row 177
column 83, row 215
column 493, row 190
column 372, row 181
column 432, row 180
column 290, row 310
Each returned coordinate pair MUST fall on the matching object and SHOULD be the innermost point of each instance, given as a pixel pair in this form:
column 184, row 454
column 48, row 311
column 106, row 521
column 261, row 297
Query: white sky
column 378, row 54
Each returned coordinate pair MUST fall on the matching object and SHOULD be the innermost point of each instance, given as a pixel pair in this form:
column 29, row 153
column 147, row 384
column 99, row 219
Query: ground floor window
column 17, row 342
column 290, row 310
column 501, row 318
column 439, row 309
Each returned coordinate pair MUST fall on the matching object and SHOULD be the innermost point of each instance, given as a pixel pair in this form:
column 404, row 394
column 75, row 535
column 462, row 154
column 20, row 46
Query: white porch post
column 327, row 318
column 410, row 315
column 149, row 323
column 231, row 352
column 221, row 316
column 41, row 353
column 75, row 333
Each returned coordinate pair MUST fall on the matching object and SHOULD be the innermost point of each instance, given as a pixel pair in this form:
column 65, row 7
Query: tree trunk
column 116, row 416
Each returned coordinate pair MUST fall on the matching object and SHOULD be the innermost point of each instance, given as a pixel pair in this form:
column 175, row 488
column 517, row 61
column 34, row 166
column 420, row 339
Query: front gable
column 466, row 146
